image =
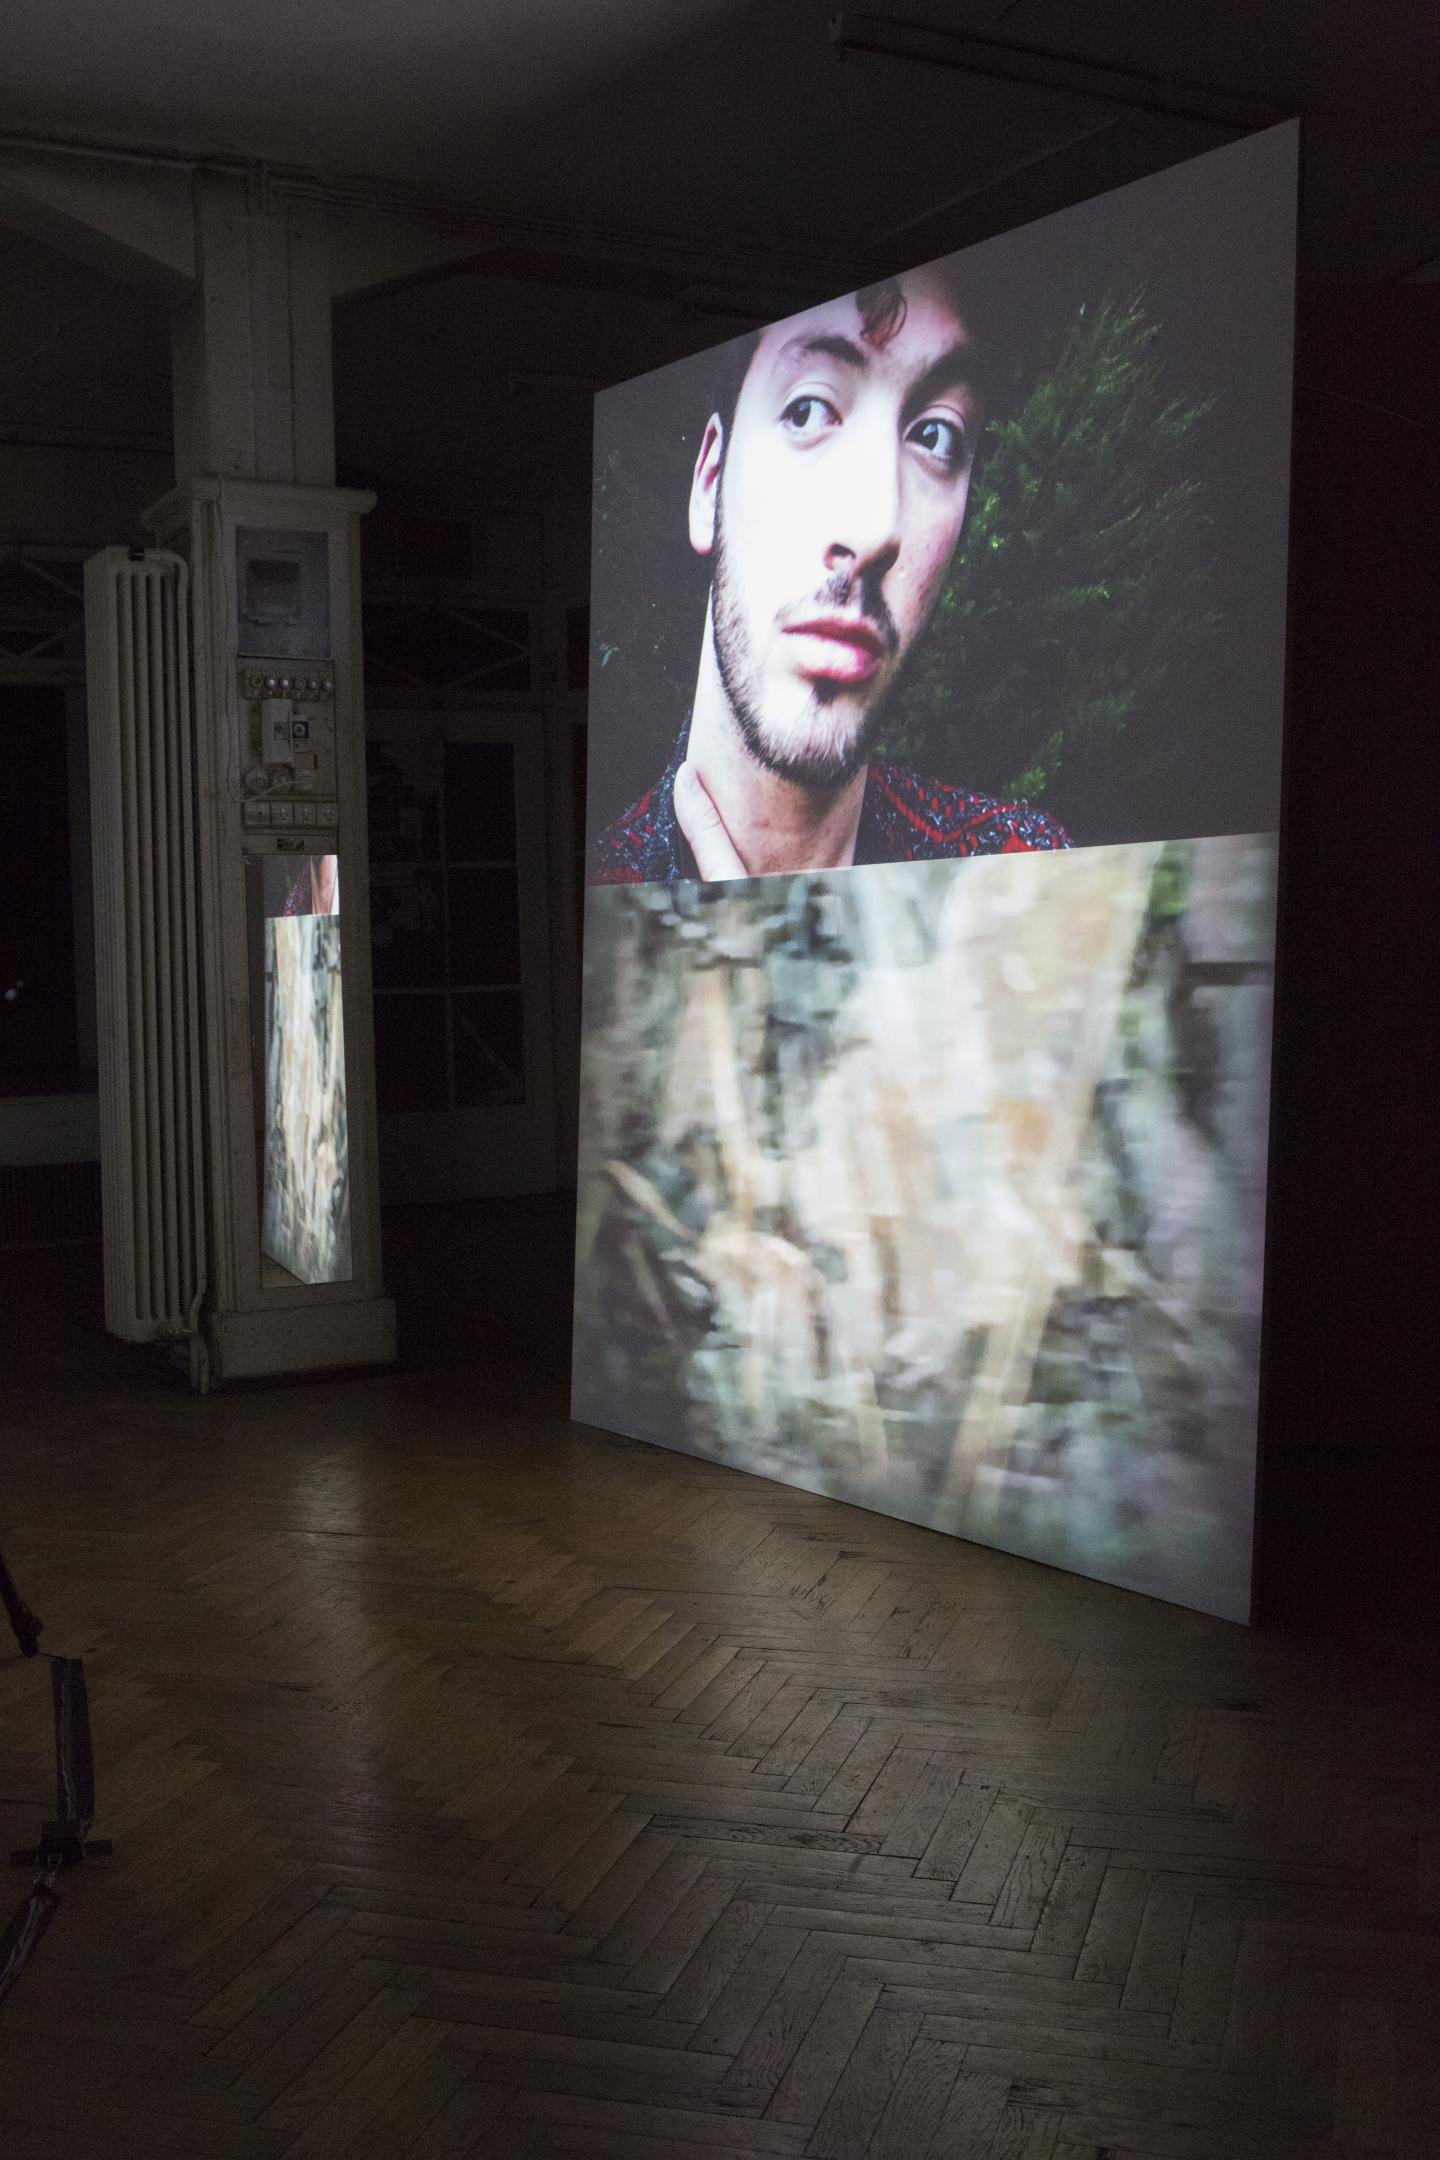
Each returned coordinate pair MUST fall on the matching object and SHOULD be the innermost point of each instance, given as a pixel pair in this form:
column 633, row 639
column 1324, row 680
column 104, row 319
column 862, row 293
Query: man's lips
column 839, row 648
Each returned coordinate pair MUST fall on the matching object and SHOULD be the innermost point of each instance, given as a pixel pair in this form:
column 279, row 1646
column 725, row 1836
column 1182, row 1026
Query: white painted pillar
column 252, row 368
column 258, row 1318
column 255, row 454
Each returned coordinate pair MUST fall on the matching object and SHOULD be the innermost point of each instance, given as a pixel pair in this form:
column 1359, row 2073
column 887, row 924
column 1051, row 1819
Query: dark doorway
column 38, row 1047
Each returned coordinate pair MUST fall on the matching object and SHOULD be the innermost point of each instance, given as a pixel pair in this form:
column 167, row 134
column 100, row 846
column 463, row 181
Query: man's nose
column 865, row 522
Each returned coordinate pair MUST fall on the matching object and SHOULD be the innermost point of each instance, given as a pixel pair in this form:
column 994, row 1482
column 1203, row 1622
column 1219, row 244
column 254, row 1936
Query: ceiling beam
column 134, row 225
column 1061, row 73
column 427, row 236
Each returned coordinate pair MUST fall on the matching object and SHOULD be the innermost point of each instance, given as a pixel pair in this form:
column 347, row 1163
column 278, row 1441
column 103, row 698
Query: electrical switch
column 276, row 714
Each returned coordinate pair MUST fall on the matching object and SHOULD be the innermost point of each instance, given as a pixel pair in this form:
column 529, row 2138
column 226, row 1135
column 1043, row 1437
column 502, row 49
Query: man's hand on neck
column 741, row 820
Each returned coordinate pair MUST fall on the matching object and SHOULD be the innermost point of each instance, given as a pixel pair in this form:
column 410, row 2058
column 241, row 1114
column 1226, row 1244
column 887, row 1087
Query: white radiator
column 143, row 814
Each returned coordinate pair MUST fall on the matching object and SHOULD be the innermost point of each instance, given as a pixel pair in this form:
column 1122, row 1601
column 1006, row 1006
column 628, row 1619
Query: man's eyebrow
column 958, row 365
column 824, row 345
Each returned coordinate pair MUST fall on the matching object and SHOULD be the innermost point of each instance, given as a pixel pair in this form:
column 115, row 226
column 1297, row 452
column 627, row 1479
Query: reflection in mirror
column 300, row 1068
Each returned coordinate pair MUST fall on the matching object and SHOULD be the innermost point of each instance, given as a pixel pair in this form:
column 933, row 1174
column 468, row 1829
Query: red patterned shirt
column 904, row 817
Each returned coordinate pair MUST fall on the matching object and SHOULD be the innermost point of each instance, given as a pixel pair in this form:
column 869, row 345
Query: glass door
column 461, row 949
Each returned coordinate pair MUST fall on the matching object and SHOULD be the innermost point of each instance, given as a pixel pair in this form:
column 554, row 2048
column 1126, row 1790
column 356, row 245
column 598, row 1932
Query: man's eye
column 941, row 440
column 808, row 416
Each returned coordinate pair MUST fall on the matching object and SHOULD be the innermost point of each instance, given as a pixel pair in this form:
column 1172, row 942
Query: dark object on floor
column 27, row 1627
column 64, row 1842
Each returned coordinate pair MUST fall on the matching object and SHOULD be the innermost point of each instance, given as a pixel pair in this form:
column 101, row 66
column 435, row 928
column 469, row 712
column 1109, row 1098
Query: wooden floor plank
column 499, row 1789
column 854, row 2109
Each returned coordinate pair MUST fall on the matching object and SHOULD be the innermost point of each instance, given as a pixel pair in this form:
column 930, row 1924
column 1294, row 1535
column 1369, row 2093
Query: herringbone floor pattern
column 484, row 1786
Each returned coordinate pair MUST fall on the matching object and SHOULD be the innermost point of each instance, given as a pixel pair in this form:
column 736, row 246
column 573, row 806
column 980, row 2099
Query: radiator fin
column 143, row 809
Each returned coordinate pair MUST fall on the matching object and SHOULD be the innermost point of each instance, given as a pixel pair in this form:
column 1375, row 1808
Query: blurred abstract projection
column 936, row 712
column 305, row 1217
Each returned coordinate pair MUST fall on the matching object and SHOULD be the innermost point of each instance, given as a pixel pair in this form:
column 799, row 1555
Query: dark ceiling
column 739, row 132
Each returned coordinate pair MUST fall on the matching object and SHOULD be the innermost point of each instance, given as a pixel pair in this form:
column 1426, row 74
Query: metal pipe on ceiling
column 887, row 37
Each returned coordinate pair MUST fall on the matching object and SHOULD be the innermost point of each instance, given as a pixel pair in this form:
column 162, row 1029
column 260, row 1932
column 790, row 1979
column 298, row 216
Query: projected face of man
column 830, row 513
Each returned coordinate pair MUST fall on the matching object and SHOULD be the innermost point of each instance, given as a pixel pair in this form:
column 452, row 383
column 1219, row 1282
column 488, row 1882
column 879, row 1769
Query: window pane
column 410, row 1053
column 404, row 791
column 406, row 934
column 484, row 926
column 439, row 648
column 489, row 1049
column 577, row 648
column 479, row 802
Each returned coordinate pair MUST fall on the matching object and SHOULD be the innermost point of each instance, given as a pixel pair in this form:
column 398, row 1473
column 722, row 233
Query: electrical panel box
column 287, row 748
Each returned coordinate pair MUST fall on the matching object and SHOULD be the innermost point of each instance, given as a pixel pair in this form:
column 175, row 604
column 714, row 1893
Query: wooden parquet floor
column 482, row 1785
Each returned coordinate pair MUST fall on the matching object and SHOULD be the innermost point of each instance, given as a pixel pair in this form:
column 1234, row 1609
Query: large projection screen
column 933, row 805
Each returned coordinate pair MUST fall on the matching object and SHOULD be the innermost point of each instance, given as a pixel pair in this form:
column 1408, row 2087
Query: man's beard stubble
column 818, row 764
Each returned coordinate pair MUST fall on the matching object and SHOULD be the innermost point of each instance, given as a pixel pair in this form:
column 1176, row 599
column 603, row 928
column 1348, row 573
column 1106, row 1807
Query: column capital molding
column 294, row 502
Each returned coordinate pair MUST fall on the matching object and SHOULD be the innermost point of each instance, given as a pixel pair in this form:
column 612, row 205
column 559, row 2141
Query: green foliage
column 649, row 587
column 1064, row 642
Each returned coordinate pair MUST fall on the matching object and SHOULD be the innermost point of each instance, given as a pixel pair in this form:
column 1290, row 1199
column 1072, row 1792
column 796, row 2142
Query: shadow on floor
column 484, row 1283
column 477, row 1284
